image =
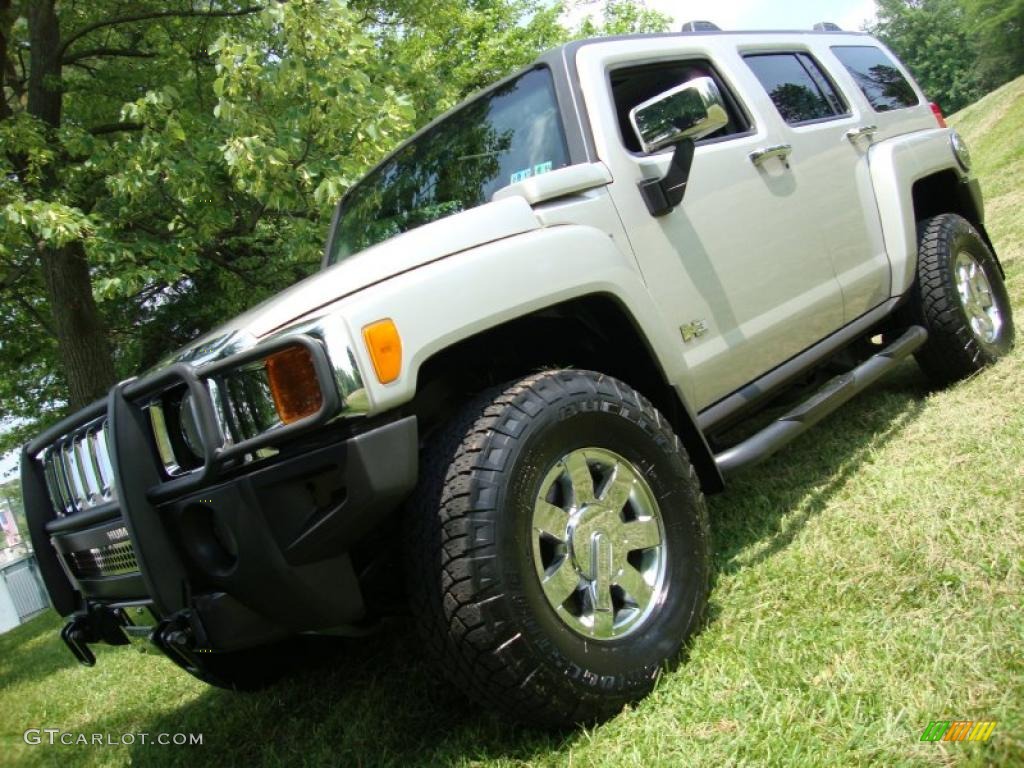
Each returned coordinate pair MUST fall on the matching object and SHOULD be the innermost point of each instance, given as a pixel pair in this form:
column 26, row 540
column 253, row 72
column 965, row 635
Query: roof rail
column 700, row 26
column 827, row 26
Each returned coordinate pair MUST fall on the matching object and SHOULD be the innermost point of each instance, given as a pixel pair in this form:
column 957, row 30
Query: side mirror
column 692, row 110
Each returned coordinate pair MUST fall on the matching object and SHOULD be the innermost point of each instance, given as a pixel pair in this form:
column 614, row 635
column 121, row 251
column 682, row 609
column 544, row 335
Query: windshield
column 508, row 135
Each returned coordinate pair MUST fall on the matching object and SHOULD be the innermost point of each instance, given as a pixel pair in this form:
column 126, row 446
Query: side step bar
column 819, row 405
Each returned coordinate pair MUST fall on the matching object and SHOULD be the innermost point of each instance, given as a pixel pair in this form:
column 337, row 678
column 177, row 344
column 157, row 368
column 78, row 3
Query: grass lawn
column 869, row 580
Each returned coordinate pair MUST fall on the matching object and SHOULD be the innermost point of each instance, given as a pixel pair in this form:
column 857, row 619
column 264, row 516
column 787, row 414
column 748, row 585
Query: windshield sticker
column 526, row 173
column 522, row 175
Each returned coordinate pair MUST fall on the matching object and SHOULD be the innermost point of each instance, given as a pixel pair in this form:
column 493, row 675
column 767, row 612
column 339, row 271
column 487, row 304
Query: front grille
column 110, row 560
column 79, row 474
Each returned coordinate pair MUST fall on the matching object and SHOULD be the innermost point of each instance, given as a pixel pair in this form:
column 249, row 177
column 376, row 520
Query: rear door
column 830, row 136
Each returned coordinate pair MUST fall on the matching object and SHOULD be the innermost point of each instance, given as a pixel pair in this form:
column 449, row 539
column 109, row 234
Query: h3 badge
column 693, row 330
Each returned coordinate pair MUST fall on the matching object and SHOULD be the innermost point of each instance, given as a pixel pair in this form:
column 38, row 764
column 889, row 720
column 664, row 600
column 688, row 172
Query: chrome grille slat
column 62, row 480
column 74, row 474
column 53, row 484
column 102, row 453
column 88, row 464
column 79, row 474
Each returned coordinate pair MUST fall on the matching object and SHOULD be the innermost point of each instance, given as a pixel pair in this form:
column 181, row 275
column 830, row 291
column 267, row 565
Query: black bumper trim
column 101, row 514
column 38, row 512
column 135, row 472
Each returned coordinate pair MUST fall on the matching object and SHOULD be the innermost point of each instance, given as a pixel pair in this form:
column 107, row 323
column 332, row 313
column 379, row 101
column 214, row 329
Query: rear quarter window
column 878, row 77
column 796, row 85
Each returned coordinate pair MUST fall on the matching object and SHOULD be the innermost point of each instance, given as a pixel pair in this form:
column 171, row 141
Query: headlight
column 307, row 374
column 963, row 155
column 189, row 426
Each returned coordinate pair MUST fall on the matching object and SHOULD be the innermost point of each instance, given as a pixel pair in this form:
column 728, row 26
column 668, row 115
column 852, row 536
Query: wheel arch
column 916, row 176
column 594, row 332
column 946, row 191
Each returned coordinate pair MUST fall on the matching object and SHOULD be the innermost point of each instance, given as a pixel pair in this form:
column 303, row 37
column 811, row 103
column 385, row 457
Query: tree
column 164, row 166
column 998, row 32
column 932, row 38
column 621, row 17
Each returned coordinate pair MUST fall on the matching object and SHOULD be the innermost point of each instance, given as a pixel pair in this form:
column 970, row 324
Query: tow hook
column 74, row 637
column 176, row 639
column 99, row 625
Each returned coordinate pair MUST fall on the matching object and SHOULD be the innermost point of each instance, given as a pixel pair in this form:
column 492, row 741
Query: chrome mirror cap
column 692, row 110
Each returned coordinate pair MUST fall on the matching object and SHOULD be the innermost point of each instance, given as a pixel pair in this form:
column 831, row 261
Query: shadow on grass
column 32, row 652
column 771, row 503
column 376, row 703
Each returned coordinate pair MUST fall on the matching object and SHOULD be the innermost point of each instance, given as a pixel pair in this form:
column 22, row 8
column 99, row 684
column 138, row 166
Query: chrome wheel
column 975, row 291
column 599, row 544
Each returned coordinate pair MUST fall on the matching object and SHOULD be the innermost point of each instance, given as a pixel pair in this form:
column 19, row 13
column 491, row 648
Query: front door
column 740, row 267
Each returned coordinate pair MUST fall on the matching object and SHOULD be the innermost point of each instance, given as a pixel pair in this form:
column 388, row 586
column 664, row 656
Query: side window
column 634, row 85
column 797, row 86
column 878, row 77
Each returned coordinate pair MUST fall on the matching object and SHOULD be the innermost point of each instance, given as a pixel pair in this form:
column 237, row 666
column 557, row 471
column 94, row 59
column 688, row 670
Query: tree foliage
column 165, row 165
column 957, row 49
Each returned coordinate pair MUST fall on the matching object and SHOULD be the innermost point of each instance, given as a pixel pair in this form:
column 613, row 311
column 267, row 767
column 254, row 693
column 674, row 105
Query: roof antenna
column 827, row 26
column 700, row 26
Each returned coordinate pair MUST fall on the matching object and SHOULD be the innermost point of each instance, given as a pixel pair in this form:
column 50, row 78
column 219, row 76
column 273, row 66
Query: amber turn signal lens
column 293, row 384
column 385, row 347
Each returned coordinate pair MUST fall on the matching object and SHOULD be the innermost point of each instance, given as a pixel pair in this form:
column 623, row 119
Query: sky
column 8, row 467
column 767, row 14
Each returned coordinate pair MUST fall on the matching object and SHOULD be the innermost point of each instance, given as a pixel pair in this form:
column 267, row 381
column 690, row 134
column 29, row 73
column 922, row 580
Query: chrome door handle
column 855, row 133
column 782, row 151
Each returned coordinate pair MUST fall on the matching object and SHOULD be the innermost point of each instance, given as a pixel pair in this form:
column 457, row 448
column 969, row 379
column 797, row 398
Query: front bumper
column 233, row 555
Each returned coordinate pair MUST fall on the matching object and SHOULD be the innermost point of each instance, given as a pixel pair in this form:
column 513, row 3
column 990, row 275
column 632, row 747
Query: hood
column 430, row 242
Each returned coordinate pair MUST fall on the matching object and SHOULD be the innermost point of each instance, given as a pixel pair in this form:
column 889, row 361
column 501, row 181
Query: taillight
column 937, row 111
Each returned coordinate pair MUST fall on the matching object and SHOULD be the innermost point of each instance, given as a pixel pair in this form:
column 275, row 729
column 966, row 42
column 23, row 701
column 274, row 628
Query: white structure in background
column 9, row 525
column 21, row 591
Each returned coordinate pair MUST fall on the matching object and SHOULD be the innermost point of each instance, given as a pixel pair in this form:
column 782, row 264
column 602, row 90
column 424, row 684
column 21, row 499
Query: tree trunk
column 81, row 338
column 5, row 25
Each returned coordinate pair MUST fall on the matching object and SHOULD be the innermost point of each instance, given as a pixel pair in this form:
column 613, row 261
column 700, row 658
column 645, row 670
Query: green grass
column 869, row 580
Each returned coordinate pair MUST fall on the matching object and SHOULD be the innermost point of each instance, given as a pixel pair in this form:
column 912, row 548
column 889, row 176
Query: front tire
column 961, row 300
column 559, row 548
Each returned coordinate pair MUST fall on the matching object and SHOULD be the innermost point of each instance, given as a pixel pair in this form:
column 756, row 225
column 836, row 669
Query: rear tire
column 548, row 631
column 961, row 300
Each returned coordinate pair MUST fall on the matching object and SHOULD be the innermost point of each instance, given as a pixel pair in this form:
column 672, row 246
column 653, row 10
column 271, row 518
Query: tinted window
column 508, row 135
column 797, row 86
column 877, row 75
column 635, row 85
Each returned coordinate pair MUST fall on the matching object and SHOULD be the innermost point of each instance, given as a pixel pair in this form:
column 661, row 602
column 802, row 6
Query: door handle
column 855, row 133
column 781, row 151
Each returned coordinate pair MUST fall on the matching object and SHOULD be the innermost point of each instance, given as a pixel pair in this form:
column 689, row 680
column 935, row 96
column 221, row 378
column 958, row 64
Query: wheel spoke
column 561, row 582
column 549, row 519
column 616, row 489
column 580, row 479
column 639, row 534
column 633, row 582
column 603, row 621
column 984, row 296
